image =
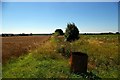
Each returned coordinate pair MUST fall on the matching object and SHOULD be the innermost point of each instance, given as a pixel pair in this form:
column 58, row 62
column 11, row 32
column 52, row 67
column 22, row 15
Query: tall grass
column 51, row 60
column 43, row 62
column 103, row 54
column 102, row 51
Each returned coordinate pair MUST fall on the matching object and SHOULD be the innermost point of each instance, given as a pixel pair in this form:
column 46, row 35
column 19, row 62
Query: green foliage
column 72, row 32
column 59, row 32
column 61, row 47
column 64, row 50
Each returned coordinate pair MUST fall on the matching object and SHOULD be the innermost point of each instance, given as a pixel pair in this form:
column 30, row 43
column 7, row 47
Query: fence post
column 78, row 62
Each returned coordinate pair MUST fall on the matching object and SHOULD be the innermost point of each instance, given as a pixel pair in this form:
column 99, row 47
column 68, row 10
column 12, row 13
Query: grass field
column 47, row 60
column 18, row 45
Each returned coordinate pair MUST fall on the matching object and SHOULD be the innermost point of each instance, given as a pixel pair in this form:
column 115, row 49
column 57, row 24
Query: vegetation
column 9, row 35
column 50, row 59
column 59, row 32
column 17, row 46
column 72, row 32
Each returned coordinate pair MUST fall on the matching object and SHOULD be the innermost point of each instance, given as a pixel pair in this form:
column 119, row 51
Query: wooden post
column 78, row 62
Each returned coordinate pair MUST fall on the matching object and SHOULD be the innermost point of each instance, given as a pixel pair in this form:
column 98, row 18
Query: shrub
column 59, row 32
column 72, row 32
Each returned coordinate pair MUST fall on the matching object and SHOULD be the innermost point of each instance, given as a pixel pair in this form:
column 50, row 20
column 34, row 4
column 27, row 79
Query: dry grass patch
column 16, row 46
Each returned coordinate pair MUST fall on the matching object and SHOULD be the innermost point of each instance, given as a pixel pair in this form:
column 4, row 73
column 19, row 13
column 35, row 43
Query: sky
column 46, row 17
column 60, row 0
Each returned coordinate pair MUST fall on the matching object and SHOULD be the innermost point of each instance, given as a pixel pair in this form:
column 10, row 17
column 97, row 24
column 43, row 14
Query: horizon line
column 53, row 32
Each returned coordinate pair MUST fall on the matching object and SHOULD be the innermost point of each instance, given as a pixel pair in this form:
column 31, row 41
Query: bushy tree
column 59, row 31
column 72, row 32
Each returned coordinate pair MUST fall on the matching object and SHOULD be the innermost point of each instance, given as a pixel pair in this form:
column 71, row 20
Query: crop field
column 16, row 46
column 51, row 59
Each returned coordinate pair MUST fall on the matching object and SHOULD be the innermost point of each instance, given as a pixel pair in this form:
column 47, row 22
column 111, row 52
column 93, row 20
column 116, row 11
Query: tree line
column 71, row 33
column 23, row 34
column 8, row 35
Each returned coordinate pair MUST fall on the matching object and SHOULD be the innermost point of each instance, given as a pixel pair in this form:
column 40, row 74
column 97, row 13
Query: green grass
column 103, row 54
column 46, row 66
column 43, row 62
column 30, row 67
column 48, row 61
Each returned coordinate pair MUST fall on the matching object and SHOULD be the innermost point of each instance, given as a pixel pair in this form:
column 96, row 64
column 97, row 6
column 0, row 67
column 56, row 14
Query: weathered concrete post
column 78, row 62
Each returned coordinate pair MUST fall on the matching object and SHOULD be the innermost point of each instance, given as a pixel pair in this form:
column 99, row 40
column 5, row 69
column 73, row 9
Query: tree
column 117, row 32
column 59, row 32
column 72, row 32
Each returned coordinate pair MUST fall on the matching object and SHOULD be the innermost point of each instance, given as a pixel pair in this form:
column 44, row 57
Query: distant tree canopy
column 117, row 33
column 6, row 35
column 72, row 32
column 9, row 35
column 59, row 32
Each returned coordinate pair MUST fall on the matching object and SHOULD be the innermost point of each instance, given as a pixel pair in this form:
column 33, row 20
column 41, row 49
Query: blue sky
column 46, row 17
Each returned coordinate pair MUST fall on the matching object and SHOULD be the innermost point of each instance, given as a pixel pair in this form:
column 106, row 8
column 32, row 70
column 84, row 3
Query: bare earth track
column 16, row 46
